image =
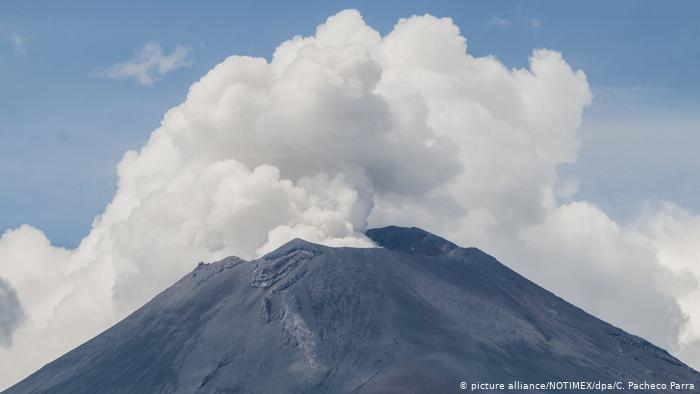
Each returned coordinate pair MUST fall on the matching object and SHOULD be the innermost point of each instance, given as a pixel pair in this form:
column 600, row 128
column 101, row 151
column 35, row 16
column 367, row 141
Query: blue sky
column 63, row 128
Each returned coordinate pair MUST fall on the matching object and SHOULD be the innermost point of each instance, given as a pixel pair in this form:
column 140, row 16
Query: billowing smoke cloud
column 344, row 130
column 11, row 312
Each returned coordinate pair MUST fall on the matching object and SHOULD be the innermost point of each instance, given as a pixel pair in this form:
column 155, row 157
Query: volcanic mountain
column 416, row 315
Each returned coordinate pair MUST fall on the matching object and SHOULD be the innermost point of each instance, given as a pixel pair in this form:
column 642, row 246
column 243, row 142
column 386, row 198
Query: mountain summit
column 417, row 315
column 411, row 240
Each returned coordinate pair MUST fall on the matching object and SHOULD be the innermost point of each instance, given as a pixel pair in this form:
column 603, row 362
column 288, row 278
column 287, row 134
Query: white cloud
column 340, row 131
column 11, row 313
column 497, row 21
column 535, row 23
column 149, row 65
column 673, row 234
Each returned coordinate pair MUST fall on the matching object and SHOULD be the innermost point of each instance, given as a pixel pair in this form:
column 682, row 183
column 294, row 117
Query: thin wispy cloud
column 502, row 23
column 497, row 21
column 17, row 40
column 19, row 43
column 149, row 64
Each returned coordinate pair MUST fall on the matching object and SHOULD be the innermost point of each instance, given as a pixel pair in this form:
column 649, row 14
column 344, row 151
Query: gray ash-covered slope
column 416, row 316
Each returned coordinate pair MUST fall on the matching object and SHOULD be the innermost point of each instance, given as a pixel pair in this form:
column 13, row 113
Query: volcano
column 418, row 314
